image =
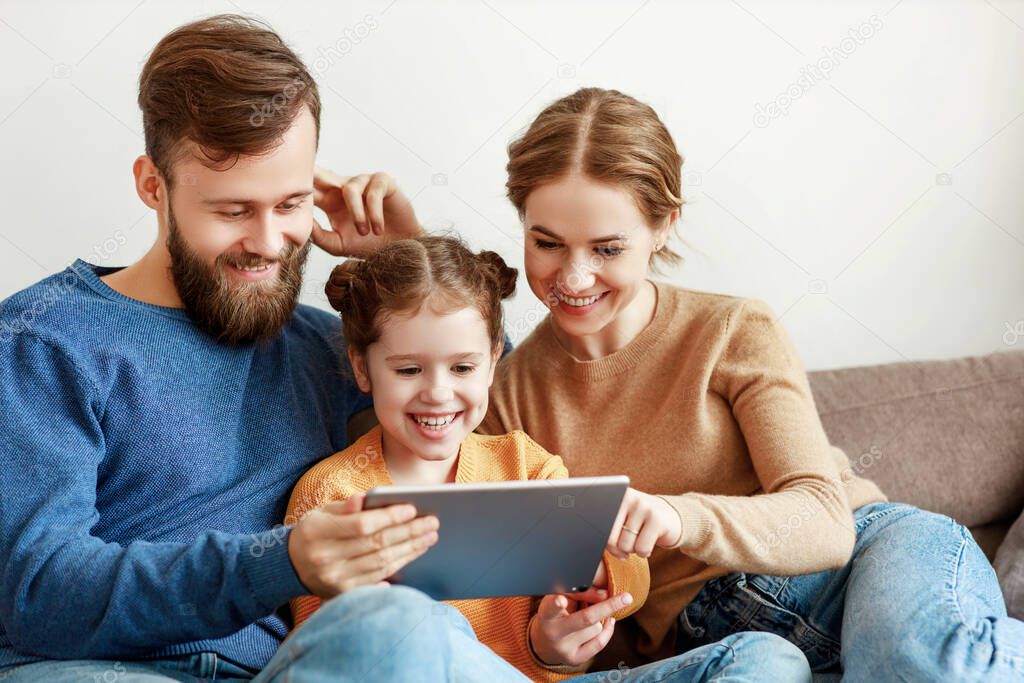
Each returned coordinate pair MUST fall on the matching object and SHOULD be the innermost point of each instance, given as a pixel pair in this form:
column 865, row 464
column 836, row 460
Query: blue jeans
column 398, row 634
column 919, row 601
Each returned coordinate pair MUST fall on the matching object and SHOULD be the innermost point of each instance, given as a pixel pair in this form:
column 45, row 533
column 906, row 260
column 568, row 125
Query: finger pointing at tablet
column 339, row 546
column 643, row 522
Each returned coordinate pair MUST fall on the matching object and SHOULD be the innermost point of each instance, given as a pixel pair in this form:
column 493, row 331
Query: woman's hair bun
column 503, row 275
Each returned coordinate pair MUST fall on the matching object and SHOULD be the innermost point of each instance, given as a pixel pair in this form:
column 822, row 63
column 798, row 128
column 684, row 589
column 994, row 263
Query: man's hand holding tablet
column 339, row 546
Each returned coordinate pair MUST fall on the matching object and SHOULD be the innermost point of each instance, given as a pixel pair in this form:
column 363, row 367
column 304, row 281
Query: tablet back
column 499, row 539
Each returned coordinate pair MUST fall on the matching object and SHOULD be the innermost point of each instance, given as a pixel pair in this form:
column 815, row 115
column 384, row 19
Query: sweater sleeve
column 304, row 497
column 111, row 600
column 802, row 522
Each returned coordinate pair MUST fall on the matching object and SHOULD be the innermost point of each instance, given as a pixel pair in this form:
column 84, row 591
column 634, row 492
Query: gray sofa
column 946, row 436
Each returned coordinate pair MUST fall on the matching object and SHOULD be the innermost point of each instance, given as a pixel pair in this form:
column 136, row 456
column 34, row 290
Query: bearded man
column 157, row 416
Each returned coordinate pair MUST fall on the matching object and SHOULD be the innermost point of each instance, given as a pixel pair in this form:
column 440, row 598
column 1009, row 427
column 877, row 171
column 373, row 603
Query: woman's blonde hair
column 609, row 137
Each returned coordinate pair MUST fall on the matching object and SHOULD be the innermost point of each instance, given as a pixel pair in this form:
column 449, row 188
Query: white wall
column 882, row 216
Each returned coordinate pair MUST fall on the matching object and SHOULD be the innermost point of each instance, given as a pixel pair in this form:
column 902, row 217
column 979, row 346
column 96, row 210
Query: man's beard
column 239, row 312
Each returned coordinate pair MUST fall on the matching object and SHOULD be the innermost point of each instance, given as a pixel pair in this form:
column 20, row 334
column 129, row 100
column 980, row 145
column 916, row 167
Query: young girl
column 423, row 324
column 772, row 530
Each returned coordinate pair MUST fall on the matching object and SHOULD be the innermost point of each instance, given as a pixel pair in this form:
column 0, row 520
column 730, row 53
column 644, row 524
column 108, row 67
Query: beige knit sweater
column 709, row 407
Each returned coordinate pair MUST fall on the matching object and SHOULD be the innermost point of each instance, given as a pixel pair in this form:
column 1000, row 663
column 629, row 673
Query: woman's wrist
column 673, row 515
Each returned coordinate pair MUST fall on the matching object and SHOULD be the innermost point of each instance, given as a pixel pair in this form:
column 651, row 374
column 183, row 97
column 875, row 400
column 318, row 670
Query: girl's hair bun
column 503, row 275
column 340, row 288
column 401, row 275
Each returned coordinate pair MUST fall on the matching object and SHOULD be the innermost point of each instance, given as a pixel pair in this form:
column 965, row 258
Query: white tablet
column 500, row 539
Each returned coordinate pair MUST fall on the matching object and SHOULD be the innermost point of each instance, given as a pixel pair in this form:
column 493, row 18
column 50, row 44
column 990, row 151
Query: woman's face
column 587, row 250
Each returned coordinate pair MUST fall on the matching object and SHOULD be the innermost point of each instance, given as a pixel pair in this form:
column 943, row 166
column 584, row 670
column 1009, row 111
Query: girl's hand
column 644, row 521
column 562, row 633
column 365, row 211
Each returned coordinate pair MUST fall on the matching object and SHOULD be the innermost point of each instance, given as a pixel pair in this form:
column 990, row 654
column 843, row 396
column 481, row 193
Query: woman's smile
column 579, row 304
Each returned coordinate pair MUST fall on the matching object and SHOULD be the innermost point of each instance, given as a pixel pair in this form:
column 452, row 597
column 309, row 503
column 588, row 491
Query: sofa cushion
column 946, row 436
column 990, row 537
column 1009, row 565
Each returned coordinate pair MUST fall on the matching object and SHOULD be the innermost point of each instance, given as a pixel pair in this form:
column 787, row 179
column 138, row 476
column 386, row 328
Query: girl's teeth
column 435, row 422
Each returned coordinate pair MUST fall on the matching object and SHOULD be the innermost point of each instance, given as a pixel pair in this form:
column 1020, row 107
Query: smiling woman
column 701, row 399
column 597, row 214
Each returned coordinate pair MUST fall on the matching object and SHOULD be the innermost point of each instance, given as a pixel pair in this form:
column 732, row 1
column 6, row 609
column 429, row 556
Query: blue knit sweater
column 144, row 470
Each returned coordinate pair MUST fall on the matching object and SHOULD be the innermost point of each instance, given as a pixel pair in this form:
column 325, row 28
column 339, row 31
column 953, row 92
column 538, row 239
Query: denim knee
column 925, row 604
column 775, row 658
column 380, row 610
column 381, row 632
column 381, row 603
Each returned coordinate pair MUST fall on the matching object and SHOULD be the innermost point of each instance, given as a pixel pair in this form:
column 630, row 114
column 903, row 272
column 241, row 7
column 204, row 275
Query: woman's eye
column 608, row 251
column 463, row 369
column 407, row 371
column 546, row 244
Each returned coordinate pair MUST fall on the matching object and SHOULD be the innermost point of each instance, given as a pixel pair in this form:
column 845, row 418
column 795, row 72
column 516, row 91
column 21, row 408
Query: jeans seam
column 890, row 508
column 687, row 663
column 1015, row 660
column 284, row 665
column 773, row 603
column 956, row 576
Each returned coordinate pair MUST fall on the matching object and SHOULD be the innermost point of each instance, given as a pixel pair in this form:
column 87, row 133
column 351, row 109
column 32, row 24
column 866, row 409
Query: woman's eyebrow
column 609, row 238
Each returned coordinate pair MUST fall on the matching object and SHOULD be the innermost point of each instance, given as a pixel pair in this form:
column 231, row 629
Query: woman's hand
column 562, row 633
column 644, row 521
column 338, row 546
column 365, row 212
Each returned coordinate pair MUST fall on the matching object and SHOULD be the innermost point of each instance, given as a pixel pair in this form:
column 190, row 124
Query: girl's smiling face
column 429, row 374
column 587, row 253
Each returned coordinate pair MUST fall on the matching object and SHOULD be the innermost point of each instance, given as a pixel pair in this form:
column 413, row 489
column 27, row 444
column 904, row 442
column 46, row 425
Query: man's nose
column 264, row 238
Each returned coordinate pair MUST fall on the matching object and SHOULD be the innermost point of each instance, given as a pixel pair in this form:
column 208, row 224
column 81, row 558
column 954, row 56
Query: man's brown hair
column 228, row 84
